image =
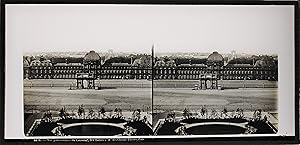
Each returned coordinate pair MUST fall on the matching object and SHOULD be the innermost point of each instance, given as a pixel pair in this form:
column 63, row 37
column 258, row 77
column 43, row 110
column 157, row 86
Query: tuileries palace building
column 91, row 64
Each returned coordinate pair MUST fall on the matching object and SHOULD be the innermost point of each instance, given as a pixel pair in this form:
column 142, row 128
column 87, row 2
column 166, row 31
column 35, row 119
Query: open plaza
column 41, row 96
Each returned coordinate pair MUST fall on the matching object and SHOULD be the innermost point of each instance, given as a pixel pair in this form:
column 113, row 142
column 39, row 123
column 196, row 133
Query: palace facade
column 161, row 70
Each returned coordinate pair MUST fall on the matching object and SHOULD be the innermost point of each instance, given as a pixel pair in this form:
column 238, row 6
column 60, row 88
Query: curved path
column 243, row 125
column 120, row 125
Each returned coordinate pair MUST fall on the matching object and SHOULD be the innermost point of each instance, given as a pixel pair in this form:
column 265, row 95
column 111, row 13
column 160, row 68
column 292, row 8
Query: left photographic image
column 87, row 94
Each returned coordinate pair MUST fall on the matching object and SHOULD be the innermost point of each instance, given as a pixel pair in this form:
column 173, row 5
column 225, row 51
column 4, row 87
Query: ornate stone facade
column 168, row 70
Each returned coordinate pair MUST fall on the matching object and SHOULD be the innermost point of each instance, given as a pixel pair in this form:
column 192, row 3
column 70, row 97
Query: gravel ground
column 247, row 99
column 62, row 96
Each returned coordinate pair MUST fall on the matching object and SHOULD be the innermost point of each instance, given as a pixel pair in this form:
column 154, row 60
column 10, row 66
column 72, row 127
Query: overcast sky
column 134, row 28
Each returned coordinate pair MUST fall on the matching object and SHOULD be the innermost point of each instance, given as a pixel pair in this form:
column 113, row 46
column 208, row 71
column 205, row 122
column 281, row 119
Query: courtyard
column 129, row 95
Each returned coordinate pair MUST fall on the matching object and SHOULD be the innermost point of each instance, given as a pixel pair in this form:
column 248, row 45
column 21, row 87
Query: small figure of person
column 203, row 112
column 101, row 113
column 241, row 113
column 186, row 113
column 224, row 113
column 136, row 115
column 115, row 113
column 120, row 114
column 236, row 115
column 62, row 113
column 257, row 115
column 80, row 111
column 47, row 116
column 265, row 118
column 145, row 119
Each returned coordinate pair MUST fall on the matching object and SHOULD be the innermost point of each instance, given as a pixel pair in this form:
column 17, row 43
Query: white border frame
column 14, row 121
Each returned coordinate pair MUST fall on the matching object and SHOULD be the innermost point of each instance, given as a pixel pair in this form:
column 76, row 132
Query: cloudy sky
column 134, row 28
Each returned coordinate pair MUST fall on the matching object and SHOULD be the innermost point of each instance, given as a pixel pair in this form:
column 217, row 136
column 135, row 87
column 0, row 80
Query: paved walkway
column 243, row 125
column 30, row 120
column 120, row 125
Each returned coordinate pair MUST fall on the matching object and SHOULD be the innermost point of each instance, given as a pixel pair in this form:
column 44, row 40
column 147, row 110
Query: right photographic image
column 213, row 93
column 220, row 76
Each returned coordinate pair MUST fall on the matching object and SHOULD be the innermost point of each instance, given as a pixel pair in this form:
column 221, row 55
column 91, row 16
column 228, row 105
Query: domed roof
column 215, row 57
column 91, row 56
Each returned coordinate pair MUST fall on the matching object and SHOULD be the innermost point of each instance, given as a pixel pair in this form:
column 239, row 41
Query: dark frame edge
column 2, row 70
column 155, row 2
column 264, row 140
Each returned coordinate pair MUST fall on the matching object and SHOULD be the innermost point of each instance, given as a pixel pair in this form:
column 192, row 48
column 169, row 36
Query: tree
column 241, row 60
